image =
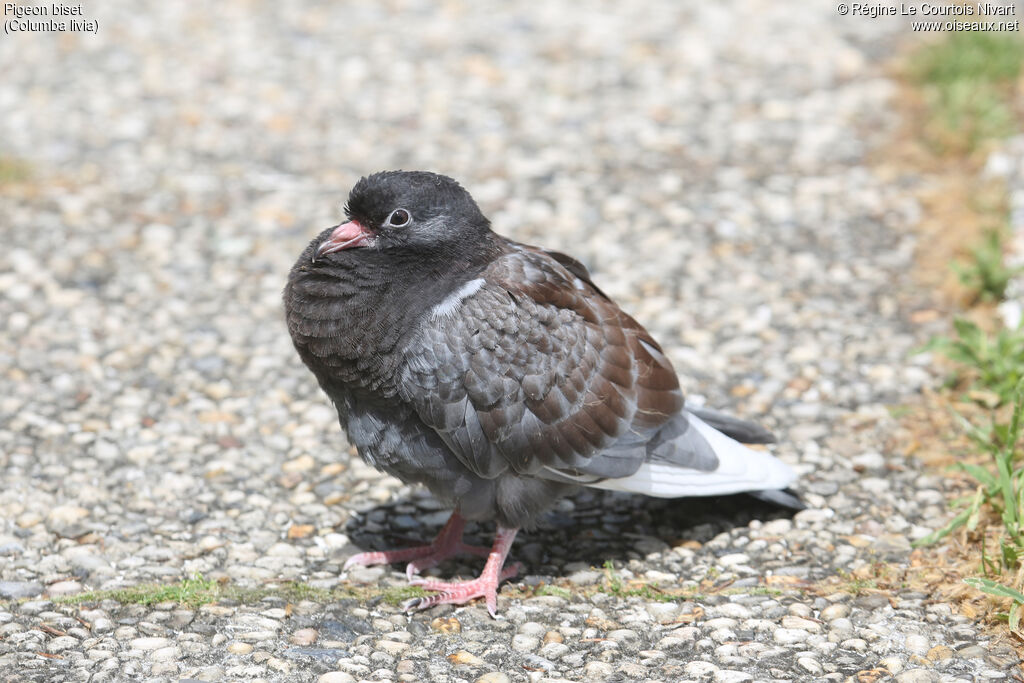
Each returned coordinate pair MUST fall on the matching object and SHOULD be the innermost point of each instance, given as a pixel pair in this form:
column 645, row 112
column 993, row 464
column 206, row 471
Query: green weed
column 986, row 275
column 548, row 589
column 968, row 80
column 995, row 363
column 1000, row 489
column 1001, row 591
column 13, row 170
column 191, row 592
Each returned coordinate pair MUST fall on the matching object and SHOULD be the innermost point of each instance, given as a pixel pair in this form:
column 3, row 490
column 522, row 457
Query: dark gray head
column 406, row 210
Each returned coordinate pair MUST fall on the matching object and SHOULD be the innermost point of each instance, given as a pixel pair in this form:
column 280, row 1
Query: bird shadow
column 591, row 527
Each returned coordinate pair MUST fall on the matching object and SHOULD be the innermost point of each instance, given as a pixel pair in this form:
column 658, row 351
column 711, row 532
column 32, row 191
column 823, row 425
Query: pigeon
column 497, row 374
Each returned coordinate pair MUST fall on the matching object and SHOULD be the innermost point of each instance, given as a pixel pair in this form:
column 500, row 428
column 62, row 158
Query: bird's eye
column 399, row 217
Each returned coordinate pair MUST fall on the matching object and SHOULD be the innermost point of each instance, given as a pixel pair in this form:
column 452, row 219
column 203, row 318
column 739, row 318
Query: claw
column 411, row 605
column 448, row 543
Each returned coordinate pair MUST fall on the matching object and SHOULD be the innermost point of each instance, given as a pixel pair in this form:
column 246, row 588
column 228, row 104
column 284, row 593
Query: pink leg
column 486, row 586
column 447, row 544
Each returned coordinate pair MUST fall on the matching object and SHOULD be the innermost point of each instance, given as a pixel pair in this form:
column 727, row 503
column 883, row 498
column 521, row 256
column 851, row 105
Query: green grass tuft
column 991, row 363
column 548, row 589
column 191, row 592
column 985, row 274
column 967, row 80
column 13, row 170
column 398, row 594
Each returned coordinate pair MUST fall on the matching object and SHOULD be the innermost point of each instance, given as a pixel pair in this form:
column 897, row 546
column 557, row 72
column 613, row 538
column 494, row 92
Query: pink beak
column 346, row 236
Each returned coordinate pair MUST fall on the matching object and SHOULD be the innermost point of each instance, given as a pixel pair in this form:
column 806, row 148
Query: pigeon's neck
column 369, row 305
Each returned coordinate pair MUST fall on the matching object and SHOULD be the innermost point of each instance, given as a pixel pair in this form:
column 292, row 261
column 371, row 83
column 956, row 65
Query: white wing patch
column 739, row 469
column 451, row 303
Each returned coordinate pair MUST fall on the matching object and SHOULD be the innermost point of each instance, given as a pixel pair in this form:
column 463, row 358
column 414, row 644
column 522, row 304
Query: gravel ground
column 709, row 162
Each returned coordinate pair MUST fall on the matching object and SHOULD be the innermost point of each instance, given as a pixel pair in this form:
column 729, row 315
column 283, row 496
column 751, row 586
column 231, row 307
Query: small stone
column 494, row 677
column 237, row 648
column 835, row 611
column 462, row 657
column 101, row 625
column 61, row 643
column 535, row 662
column 893, row 665
column 165, row 654
column 300, row 530
column 304, row 636
column 776, row 527
column 149, row 643
column 28, row 519
column 336, row 677
column 810, row 665
column 446, row 625
column 524, row 643
column 63, row 515
column 553, row 637
column 855, row 644
column 799, row 609
column 597, row 671
column 732, row 676
column 734, row 560
column 840, row 624
column 790, row 621
column 35, row 606
column 391, row 647
column 302, row 463
column 916, row 644
column 278, row 664
column 663, row 612
column 11, row 548
column 322, row 656
column 585, row 577
column 939, row 653
column 64, row 588
column 533, row 628
column 554, row 651
column 917, row 676
column 14, row 590
column 790, row 636
column 699, row 669
column 624, row 635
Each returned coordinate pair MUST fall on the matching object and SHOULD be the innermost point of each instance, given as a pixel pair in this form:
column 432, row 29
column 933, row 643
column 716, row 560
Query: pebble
column 524, row 643
column 917, row 644
column 789, row 636
column 15, row 590
column 597, row 671
column 304, row 636
column 149, row 643
column 336, row 677
column 731, row 676
column 493, row 677
column 699, row 669
column 833, row 612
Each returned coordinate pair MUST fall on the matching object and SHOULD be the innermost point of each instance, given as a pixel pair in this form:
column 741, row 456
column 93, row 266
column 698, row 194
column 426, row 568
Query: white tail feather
column 739, row 469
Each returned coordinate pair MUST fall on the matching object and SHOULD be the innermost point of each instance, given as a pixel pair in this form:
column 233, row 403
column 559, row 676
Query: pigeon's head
column 405, row 210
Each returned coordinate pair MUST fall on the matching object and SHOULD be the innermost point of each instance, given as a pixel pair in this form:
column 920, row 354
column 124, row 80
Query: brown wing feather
column 539, row 369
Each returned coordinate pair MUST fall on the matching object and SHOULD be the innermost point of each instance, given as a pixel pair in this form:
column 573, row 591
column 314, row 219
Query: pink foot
column 440, row 555
column 486, row 586
column 459, row 592
column 447, row 544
